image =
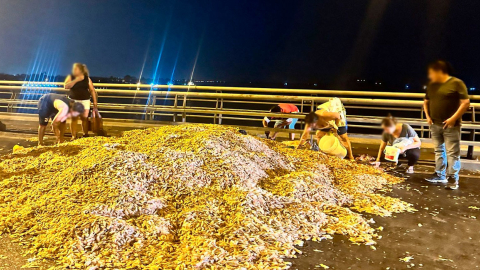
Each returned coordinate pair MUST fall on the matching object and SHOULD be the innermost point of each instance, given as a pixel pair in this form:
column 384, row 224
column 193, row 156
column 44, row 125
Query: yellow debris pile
column 183, row 197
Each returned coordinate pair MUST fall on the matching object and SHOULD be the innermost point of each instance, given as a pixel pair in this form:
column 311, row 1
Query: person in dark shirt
column 81, row 89
column 58, row 108
column 446, row 100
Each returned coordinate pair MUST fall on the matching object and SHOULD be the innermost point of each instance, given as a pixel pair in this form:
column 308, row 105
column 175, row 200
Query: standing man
column 58, row 108
column 281, row 122
column 445, row 102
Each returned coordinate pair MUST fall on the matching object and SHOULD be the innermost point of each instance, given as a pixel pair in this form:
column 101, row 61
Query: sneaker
column 437, row 179
column 410, row 170
column 452, row 184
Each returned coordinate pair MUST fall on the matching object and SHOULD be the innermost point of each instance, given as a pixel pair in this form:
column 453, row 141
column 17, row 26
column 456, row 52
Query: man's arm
column 60, row 117
column 69, row 83
column 306, row 133
column 93, row 93
column 426, row 103
column 464, row 105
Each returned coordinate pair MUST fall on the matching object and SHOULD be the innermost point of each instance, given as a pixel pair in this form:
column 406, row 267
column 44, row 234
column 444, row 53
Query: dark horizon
column 324, row 42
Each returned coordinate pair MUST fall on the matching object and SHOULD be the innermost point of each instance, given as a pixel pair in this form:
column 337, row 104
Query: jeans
column 447, row 150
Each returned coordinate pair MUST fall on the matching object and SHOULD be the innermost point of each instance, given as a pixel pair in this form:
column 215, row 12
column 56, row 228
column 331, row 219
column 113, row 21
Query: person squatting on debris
column 330, row 116
column 58, row 108
column 446, row 100
column 281, row 122
column 403, row 137
column 81, row 89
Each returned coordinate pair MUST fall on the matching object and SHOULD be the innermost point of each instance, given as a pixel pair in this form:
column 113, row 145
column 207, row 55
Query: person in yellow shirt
column 330, row 116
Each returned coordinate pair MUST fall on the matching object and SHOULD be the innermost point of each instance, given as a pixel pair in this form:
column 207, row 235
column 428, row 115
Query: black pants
column 412, row 155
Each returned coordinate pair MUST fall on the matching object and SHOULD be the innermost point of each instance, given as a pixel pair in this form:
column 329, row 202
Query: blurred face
column 436, row 76
column 74, row 113
column 388, row 130
column 76, row 71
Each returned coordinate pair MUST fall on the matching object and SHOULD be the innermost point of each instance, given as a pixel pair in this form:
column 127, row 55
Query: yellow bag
column 331, row 145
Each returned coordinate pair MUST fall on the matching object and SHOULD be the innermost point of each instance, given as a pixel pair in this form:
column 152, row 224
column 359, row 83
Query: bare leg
column 346, row 142
column 41, row 134
column 61, row 128
column 292, row 136
column 84, row 118
column 73, row 127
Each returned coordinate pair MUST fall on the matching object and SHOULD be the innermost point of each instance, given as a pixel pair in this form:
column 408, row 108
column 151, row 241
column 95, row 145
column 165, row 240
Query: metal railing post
column 175, row 106
column 152, row 111
column 216, row 108
column 471, row 148
column 184, row 106
column 220, row 115
column 422, row 128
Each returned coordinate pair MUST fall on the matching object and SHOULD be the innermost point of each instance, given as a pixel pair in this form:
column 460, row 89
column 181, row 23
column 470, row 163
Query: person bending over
column 320, row 120
column 81, row 89
column 58, row 108
column 403, row 136
column 330, row 116
column 281, row 122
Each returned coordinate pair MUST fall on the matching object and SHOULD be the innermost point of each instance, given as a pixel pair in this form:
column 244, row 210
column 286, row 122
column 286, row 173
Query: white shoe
column 410, row 170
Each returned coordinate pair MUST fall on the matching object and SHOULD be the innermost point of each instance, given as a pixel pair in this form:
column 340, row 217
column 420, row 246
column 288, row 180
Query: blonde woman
column 81, row 90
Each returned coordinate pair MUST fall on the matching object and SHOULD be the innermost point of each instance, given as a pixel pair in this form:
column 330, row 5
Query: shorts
column 340, row 131
column 45, row 115
column 292, row 121
column 45, row 112
column 85, row 103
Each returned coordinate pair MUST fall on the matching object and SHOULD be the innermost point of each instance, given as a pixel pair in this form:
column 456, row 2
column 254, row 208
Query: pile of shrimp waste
column 184, row 197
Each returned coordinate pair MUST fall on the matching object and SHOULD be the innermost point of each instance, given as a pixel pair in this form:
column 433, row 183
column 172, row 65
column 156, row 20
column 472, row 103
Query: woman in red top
column 274, row 122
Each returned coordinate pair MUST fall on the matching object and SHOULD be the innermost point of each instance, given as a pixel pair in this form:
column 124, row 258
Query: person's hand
column 429, row 121
column 376, row 164
column 95, row 107
column 449, row 123
column 402, row 149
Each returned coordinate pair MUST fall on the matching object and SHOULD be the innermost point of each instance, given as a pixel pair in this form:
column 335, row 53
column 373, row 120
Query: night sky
column 264, row 41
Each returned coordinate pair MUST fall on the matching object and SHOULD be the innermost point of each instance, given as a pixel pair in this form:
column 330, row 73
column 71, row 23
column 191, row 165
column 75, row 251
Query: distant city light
column 406, row 86
column 285, row 84
column 170, row 84
column 472, row 88
column 190, row 83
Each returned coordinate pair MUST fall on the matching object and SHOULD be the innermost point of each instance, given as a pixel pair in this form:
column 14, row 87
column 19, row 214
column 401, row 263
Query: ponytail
column 389, row 121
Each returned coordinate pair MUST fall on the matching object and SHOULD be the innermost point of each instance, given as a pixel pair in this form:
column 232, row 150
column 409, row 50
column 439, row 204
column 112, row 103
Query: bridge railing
column 234, row 105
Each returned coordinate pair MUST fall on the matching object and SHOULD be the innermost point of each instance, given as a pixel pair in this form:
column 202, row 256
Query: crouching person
column 330, row 116
column 319, row 121
column 402, row 136
column 281, row 122
column 58, row 108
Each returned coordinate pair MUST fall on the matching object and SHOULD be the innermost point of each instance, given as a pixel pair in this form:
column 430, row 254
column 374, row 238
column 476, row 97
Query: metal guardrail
column 219, row 104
